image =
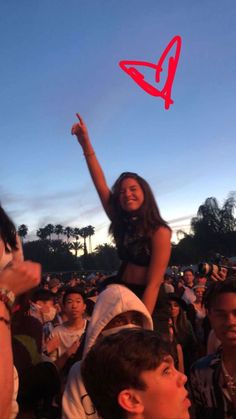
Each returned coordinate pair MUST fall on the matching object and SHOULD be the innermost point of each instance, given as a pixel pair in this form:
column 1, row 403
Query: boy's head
column 135, row 377
column 74, row 302
column 220, row 301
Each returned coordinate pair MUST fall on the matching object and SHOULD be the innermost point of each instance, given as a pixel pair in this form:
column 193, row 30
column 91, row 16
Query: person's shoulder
column 59, row 329
column 206, row 362
column 161, row 233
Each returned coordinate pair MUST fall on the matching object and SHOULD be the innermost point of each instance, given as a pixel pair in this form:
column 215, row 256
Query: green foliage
column 213, row 231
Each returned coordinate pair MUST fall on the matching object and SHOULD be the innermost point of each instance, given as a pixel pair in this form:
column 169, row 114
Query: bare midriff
column 134, row 274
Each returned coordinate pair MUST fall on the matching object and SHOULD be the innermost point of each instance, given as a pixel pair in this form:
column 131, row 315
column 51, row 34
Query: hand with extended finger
column 80, row 130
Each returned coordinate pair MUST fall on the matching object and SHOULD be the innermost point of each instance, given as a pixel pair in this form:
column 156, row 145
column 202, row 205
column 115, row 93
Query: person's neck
column 229, row 358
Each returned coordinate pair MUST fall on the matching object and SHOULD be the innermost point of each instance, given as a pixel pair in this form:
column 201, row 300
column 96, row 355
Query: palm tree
column 76, row 233
column 68, row 231
column 75, row 246
column 22, row 231
column 49, row 228
column 84, row 234
column 90, row 232
column 42, row 233
column 58, row 230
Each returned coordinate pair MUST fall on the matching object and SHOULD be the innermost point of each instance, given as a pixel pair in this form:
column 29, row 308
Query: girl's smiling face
column 131, row 195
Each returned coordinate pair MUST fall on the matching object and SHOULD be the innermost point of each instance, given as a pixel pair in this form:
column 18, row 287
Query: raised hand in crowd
column 220, row 276
column 80, row 130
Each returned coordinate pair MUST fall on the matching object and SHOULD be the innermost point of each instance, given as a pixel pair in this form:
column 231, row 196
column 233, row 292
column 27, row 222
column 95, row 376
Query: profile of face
column 222, row 315
column 165, row 395
column 74, row 306
column 174, row 309
column 131, row 196
column 188, row 278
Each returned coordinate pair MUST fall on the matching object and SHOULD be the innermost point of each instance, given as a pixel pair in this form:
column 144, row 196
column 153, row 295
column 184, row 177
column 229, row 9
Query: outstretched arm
column 80, row 130
column 161, row 248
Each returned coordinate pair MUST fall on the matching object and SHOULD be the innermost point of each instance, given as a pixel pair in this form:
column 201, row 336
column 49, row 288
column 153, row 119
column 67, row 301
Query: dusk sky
column 59, row 57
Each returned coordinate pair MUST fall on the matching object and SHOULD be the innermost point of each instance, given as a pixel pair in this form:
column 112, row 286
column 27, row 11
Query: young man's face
column 74, row 306
column 188, row 278
column 222, row 316
column 165, row 396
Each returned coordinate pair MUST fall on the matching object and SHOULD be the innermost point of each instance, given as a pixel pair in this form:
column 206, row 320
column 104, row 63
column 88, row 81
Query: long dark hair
column 146, row 219
column 7, row 231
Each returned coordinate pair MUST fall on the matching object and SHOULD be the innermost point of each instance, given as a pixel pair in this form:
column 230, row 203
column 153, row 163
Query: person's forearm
column 150, row 296
column 97, row 175
column 6, row 364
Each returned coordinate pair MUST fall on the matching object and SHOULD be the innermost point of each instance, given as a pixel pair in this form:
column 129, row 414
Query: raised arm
column 80, row 130
column 161, row 249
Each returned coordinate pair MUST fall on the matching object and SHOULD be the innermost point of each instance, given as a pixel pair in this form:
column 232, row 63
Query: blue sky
column 59, row 57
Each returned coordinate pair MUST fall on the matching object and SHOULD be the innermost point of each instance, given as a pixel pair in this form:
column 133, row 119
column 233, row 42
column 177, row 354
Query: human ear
column 130, row 401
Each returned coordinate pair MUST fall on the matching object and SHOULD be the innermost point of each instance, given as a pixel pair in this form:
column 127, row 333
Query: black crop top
column 135, row 249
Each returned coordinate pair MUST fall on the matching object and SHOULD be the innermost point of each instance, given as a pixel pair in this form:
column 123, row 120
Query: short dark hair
column 218, row 288
column 73, row 290
column 42, row 294
column 118, row 361
column 188, row 270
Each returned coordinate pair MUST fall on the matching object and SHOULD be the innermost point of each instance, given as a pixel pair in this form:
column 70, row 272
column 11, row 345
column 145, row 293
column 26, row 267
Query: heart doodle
column 132, row 68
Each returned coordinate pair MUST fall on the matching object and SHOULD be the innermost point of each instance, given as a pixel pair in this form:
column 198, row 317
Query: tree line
column 213, row 231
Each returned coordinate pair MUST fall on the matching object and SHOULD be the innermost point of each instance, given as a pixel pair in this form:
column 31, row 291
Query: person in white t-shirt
column 65, row 339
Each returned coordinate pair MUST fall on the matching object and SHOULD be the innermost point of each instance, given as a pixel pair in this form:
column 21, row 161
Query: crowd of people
column 137, row 344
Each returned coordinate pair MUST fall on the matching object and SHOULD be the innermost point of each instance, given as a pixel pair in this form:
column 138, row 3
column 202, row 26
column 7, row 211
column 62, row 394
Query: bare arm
column 6, row 365
column 161, row 248
column 80, row 130
column 18, row 278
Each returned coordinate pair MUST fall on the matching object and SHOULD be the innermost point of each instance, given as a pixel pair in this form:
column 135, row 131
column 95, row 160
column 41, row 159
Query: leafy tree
column 22, row 231
column 54, row 255
column 107, row 257
column 213, row 226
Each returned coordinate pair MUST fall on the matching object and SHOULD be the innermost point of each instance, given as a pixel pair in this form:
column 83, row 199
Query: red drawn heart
column 130, row 67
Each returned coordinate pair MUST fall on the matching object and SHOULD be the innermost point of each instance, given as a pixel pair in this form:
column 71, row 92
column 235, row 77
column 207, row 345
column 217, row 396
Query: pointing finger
column 80, row 119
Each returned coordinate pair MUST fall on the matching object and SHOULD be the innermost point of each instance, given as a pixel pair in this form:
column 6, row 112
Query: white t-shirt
column 67, row 338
